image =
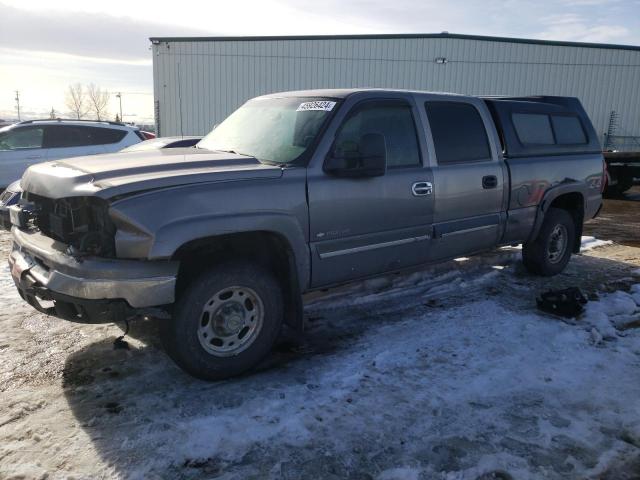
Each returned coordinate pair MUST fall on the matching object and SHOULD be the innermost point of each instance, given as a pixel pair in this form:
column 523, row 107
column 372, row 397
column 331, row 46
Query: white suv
column 34, row 141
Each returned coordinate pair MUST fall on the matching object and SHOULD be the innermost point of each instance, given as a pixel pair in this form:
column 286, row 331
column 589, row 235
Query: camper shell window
column 540, row 126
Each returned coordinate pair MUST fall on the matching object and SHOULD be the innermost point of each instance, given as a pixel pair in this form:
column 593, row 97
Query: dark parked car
column 300, row 191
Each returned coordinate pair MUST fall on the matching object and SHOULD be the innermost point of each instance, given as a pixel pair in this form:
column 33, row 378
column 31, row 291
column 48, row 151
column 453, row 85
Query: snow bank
column 589, row 243
column 614, row 312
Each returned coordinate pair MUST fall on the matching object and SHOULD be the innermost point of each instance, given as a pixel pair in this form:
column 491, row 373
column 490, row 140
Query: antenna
column 18, row 103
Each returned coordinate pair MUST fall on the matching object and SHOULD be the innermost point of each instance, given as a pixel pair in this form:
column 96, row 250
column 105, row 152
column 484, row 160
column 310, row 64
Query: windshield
column 277, row 130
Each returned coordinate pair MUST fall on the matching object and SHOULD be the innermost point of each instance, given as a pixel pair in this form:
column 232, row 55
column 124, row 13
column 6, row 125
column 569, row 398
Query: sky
column 45, row 46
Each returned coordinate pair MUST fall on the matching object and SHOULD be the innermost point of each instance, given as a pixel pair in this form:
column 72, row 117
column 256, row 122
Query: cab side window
column 391, row 119
column 19, row 138
column 458, row 132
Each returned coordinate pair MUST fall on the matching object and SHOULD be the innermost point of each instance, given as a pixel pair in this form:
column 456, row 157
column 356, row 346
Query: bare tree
column 98, row 101
column 76, row 100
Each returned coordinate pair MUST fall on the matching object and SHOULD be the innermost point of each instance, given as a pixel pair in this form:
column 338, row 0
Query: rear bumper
column 42, row 270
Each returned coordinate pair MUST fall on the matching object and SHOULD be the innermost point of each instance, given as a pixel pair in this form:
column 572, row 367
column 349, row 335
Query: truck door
column 468, row 177
column 367, row 225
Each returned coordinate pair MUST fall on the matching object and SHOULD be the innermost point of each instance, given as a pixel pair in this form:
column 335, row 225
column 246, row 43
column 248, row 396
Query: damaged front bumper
column 87, row 289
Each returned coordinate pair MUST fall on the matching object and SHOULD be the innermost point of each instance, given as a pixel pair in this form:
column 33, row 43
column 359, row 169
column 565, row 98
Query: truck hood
column 117, row 174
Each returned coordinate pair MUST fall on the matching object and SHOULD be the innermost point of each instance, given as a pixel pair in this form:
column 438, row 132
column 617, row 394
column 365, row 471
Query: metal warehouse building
column 199, row 81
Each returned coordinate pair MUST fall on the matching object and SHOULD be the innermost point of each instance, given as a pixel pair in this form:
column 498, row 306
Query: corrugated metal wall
column 198, row 83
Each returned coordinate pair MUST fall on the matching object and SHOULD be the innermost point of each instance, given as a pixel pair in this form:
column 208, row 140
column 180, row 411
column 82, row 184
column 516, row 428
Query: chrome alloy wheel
column 231, row 321
column 557, row 244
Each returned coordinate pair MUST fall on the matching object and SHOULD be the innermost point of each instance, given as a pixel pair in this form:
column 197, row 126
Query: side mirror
column 366, row 159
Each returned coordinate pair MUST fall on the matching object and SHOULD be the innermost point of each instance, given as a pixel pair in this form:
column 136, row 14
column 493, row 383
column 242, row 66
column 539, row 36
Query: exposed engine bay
column 83, row 223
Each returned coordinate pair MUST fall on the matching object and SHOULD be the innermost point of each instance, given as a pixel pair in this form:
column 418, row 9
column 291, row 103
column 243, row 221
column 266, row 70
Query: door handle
column 34, row 157
column 422, row 188
column 489, row 181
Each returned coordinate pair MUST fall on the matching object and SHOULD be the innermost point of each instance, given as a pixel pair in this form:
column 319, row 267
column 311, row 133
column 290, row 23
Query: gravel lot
column 619, row 220
column 445, row 373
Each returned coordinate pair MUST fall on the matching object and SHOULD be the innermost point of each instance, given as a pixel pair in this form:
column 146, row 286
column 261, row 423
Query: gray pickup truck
column 294, row 192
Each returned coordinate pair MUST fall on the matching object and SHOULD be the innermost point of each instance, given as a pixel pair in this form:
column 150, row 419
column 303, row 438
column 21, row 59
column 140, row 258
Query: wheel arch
column 271, row 249
column 569, row 196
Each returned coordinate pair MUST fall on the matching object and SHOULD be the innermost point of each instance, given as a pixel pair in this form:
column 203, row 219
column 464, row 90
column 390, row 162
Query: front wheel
column 550, row 252
column 226, row 321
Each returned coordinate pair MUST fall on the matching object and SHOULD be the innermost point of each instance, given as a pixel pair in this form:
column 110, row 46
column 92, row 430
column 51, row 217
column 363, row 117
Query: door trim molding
column 468, row 230
column 466, row 225
column 374, row 246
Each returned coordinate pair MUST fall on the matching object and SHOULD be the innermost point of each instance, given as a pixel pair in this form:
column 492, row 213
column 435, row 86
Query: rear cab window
column 450, row 122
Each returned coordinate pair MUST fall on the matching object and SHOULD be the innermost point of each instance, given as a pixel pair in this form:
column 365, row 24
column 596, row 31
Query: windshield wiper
column 264, row 162
column 234, row 152
column 271, row 164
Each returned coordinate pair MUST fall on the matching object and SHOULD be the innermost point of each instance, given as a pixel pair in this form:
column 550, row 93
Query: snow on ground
column 445, row 373
column 589, row 243
column 586, row 243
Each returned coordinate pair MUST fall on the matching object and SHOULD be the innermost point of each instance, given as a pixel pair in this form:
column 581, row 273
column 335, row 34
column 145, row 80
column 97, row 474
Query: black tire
column 183, row 333
column 542, row 256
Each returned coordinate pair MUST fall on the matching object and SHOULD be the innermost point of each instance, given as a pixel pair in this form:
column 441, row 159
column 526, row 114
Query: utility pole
column 18, row 103
column 119, row 96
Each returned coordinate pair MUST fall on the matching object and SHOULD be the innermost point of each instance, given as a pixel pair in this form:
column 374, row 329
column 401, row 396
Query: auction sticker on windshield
column 323, row 105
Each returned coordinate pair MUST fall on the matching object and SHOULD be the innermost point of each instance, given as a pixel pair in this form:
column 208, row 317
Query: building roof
column 345, row 92
column 398, row 36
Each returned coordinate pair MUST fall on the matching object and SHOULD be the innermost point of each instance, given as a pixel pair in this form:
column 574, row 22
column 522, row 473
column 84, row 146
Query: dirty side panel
column 531, row 177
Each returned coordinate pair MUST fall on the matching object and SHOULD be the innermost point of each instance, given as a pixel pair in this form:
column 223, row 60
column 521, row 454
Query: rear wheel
column 550, row 252
column 225, row 322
